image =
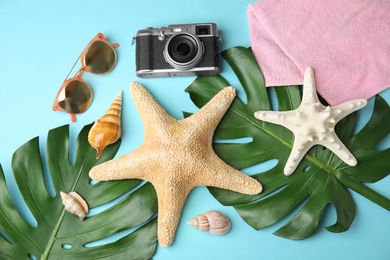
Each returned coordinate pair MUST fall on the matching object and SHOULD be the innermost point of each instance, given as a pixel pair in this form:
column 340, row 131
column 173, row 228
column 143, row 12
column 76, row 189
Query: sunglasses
column 75, row 95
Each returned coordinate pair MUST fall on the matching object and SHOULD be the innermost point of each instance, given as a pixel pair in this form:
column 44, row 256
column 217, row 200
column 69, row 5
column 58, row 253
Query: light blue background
column 40, row 41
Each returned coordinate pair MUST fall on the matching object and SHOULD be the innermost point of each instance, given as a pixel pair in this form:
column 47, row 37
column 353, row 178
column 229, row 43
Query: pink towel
column 346, row 42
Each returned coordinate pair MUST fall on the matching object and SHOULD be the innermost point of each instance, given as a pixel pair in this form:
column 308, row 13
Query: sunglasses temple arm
column 67, row 76
column 72, row 117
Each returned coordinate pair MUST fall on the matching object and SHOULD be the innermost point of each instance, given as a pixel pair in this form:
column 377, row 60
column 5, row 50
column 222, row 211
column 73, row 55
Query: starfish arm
column 300, row 148
column 309, row 95
column 224, row 176
column 209, row 116
column 151, row 112
column 346, row 108
column 334, row 144
column 133, row 165
column 170, row 204
column 282, row 118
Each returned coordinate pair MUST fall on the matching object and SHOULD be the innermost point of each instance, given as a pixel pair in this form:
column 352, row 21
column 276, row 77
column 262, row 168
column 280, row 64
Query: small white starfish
column 313, row 123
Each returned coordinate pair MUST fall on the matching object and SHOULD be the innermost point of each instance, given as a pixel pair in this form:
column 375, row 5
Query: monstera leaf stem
column 54, row 234
column 363, row 190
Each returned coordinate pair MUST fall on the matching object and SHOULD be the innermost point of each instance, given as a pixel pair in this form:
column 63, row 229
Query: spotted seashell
column 74, row 204
column 211, row 221
column 107, row 129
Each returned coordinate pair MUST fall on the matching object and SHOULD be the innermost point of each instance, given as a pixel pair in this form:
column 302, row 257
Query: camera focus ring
column 183, row 51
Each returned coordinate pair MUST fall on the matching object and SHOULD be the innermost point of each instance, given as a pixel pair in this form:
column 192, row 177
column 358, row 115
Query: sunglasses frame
column 84, row 68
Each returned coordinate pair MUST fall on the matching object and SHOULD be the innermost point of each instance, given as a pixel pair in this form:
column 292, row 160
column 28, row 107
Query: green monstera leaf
column 59, row 234
column 320, row 179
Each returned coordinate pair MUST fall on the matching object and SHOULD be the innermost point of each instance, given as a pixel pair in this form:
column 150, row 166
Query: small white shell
column 74, row 204
column 212, row 221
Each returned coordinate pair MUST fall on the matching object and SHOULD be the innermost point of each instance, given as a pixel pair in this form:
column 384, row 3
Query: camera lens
column 183, row 51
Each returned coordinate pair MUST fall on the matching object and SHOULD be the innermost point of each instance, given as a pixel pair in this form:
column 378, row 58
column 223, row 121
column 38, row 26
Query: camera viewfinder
column 203, row 30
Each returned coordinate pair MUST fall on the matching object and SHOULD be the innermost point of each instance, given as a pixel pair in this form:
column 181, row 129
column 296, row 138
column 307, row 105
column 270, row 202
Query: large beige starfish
column 176, row 156
column 313, row 123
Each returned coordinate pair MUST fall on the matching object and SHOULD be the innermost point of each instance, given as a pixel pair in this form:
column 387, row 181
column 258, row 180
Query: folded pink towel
column 346, row 42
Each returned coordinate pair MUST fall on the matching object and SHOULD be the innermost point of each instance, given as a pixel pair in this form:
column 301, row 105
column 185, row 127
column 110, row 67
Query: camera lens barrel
column 183, row 51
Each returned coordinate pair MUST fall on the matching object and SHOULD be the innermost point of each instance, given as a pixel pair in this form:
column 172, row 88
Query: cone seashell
column 107, row 129
column 74, row 204
column 211, row 221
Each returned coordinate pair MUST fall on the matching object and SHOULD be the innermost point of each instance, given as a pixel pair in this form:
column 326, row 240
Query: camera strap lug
column 161, row 35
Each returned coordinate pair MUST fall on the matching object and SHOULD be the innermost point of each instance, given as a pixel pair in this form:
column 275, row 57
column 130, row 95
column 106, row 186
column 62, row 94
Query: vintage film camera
column 177, row 50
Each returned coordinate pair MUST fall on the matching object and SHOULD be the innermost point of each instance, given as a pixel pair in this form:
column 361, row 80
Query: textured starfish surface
column 313, row 123
column 176, row 156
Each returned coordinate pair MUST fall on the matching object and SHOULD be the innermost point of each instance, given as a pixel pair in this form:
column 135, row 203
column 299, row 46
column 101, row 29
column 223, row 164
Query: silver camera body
column 177, row 50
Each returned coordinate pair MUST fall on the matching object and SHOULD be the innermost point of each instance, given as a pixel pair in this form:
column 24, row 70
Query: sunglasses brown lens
column 100, row 58
column 75, row 97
